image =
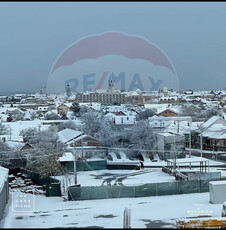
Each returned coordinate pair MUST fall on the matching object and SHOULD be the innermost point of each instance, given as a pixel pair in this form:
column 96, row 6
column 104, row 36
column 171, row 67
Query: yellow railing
column 211, row 223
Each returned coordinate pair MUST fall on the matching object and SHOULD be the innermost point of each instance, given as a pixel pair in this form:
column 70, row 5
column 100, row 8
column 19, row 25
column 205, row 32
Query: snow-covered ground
column 158, row 211
column 135, row 177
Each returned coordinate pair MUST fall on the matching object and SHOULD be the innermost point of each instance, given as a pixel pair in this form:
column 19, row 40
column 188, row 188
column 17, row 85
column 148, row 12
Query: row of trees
column 137, row 136
column 200, row 114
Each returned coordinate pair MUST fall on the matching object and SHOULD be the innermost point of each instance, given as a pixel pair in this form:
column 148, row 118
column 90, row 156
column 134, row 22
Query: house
column 68, row 135
column 64, row 108
column 84, row 144
column 84, row 140
column 168, row 113
column 213, row 133
column 19, row 145
column 172, row 124
column 121, row 118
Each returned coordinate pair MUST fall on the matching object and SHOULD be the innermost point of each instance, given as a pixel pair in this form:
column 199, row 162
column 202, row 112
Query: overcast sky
column 32, row 35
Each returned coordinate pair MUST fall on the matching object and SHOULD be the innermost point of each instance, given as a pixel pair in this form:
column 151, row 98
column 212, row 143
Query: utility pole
column 82, row 140
column 200, row 142
column 75, row 170
column 189, row 139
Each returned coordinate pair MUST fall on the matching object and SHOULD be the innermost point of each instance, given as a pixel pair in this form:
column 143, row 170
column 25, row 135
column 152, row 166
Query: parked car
column 223, row 212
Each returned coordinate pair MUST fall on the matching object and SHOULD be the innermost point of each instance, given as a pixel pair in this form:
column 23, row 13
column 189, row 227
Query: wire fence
column 146, row 190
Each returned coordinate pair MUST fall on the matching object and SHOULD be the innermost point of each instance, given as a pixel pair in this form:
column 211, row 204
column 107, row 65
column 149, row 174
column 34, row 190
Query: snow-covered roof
column 15, row 144
column 216, row 131
column 67, row 156
column 67, row 135
column 218, row 183
column 210, row 121
column 80, row 138
column 17, row 126
column 164, row 109
column 68, row 104
column 158, row 108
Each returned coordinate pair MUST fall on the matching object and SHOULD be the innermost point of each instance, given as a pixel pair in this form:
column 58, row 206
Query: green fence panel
column 85, row 193
column 145, row 190
column 53, row 189
column 188, row 187
column 74, row 193
column 204, row 185
column 124, row 191
column 166, row 188
column 101, row 192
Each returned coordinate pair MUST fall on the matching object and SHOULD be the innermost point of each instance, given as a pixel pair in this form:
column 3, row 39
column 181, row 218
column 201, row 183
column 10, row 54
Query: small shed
column 217, row 191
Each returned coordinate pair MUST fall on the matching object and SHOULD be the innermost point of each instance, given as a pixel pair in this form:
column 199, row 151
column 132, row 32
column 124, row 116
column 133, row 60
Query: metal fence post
column 156, row 190
column 127, row 218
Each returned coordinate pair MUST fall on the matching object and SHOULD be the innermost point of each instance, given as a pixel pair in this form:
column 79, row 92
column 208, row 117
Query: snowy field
column 51, row 212
column 135, row 177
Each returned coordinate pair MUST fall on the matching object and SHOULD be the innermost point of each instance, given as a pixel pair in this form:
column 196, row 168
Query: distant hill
column 8, row 93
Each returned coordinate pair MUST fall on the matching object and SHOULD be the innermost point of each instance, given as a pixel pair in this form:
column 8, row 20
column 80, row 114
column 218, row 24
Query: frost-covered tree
column 142, row 136
column 145, row 114
column 46, row 150
column 10, row 158
column 17, row 115
column 92, row 123
column 139, row 136
column 214, row 111
column 52, row 116
column 28, row 133
column 3, row 129
column 34, row 115
column 193, row 111
column 85, row 109
column 198, row 113
column 107, row 134
column 69, row 125
column 64, row 116
column 75, row 108
column 44, row 161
